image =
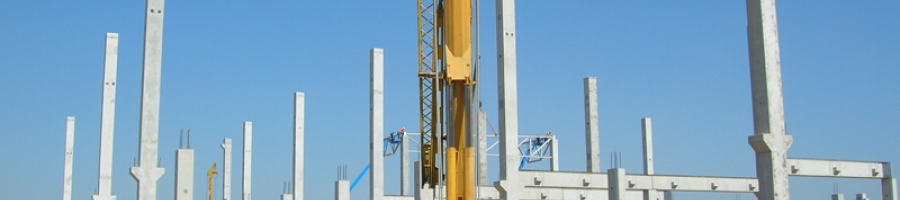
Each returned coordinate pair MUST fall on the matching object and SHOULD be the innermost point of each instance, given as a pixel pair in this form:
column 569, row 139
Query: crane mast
column 450, row 40
column 209, row 185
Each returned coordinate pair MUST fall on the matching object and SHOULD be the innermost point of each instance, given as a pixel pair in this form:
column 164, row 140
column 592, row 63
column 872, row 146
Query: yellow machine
column 445, row 69
column 211, row 174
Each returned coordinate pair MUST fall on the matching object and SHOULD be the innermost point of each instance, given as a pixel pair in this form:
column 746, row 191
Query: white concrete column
column 617, row 183
column 149, row 171
column 770, row 140
column 248, row 158
column 404, row 165
column 299, row 109
column 837, row 197
column 591, row 125
column 287, row 197
column 421, row 191
column 669, row 195
column 107, row 118
column 508, row 101
column 647, row 135
column 376, row 124
column 226, row 170
column 70, row 151
column 482, row 150
column 554, row 152
column 184, row 174
column 861, row 197
column 342, row 190
column 889, row 183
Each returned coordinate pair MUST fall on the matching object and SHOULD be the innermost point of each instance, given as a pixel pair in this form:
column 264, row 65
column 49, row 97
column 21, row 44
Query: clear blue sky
column 683, row 63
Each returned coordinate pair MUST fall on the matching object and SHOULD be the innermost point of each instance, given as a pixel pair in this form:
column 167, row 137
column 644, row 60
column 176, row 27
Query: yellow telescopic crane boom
column 457, row 55
column 210, row 174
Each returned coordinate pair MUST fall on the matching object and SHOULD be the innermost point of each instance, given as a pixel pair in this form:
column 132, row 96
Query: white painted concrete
column 554, row 154
column 837, row 168
column 342, row 190
column 404, row 166
column 226, row 169
column 618, row 183
column 591, row 126
column 287, row 197
column 299, row 128
column 647, row 137
column 508, row 100
column 107, row 118
column 770, row 141
column 149, row 171
column 247, row 160
column 376, row 123
column 889, row 189
column 184, row 174
column 481, row 154
column 837, row 197
column 69, row 153
column 861, row 197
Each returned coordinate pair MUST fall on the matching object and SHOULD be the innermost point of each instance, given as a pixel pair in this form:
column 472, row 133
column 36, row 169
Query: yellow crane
column 210, row 174
column 445, row 62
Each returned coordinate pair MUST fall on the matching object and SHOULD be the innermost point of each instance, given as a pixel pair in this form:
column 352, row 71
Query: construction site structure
column 210, row 175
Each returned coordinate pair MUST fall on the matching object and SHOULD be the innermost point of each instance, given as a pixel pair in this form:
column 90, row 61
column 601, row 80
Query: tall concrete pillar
column 148, row 171
column 508, row 186
column 770, row 141
column 184, row 174
column 248, row 146
column 107, row 118
column 554, row 152
column 70, row 151
column 226, row 169
column 617, row 183
column 647, row 135
column 404, row 165
column 861, row 197
column 299, row 128
column 376, row 124
column 482, row 149
column 591, row 126
column 888, row 183
column 342, row 190
column 287, row 196
column 837, row 197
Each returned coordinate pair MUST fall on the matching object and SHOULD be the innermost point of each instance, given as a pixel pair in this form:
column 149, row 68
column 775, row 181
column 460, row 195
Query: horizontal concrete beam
column 838, row 168
column 598, row 181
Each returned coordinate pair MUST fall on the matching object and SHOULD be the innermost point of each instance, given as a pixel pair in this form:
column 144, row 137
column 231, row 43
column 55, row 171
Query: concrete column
column 376, row 124
column 226, row 170
column 184, row 174
column 770, row 141
column 554, row 152
column 148, row 171
column 591, row 126
column 107, row 118
column 889, row 183
column 508, row 186
column 482, row 150
column 861, row 197
column 647, row 135
column 342, row 190
column 837, row 197
column 617, row 183
column 404, row 166
column 70, row 151
column 299, row 109
column 421, row 191
column 669, row 195
column 247, row 157
column 287, row 197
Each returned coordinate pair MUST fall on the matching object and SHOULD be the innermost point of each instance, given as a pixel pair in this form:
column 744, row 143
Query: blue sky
column 682, row 63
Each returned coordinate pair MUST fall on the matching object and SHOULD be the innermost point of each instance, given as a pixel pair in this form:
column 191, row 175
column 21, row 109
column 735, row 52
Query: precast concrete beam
column 376, row 123
column 838, row 168
column 299, row 127
column 184, row 174
column 591, row 125
column 69, row 153
column 107, row 118
column 597, row 181
column 508, row 100
column 148, row 171
column 226, row 169
column 770, row 141
column 247, row 160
